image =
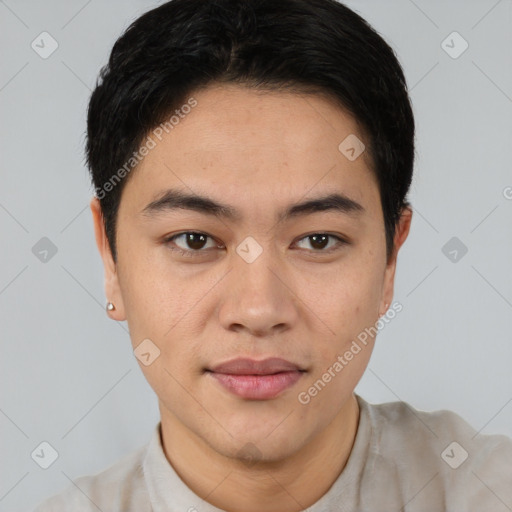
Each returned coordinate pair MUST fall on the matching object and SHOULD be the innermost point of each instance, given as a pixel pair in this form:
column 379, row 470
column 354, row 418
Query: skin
column 258, row 152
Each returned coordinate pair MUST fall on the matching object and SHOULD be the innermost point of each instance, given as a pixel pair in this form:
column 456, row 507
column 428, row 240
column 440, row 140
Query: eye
column 189, row 243
column 193, row 243
column 319, row 242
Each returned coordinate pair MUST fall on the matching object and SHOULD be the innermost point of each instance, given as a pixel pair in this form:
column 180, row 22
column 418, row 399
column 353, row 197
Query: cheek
column 341, row 356
column 348, row 309
column 149, row 297
column 149, row 285
column 168, row 310
column 346, row 299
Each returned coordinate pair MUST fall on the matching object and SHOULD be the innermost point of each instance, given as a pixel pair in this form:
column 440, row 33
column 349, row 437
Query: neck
column 289, row 485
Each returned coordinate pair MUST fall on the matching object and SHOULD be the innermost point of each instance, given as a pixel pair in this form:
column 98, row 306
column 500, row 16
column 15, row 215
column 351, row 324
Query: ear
column 401, row 232
column 112, row 288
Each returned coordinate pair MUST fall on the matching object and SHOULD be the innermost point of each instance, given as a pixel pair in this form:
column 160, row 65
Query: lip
column 247, row 366
column 256, row 380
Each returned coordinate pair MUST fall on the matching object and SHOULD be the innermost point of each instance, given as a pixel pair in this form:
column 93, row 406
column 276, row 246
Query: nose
column 258, row 297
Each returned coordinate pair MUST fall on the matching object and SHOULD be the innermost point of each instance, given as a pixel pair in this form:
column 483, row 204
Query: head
column 251, row 161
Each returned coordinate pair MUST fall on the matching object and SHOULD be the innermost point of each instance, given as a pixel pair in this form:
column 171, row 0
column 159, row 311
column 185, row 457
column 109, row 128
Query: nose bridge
column 256, row 297
column 259, row 275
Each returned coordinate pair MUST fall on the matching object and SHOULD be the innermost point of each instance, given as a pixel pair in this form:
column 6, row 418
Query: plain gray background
column 69, row 376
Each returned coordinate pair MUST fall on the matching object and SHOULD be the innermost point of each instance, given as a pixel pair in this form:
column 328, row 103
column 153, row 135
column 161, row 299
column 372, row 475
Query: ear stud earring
column 110, row 306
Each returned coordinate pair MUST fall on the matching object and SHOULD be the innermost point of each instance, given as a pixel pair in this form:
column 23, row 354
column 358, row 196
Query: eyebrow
column 172, row 200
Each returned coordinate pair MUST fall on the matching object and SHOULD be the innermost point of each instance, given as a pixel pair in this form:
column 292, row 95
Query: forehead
column 255, row 149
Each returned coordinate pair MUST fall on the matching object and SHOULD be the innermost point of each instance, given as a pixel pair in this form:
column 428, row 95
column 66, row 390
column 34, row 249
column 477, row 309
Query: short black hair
column 312, row 46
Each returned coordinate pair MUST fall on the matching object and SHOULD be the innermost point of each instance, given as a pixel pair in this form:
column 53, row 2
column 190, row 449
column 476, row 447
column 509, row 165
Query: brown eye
column 320, row 241
column 190, row 242
column 195, row 241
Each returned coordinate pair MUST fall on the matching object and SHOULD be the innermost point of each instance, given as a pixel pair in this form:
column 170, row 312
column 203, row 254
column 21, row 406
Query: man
column 251, row 161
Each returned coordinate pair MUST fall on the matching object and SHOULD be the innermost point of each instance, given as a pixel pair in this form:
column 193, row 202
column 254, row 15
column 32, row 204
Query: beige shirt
column 402, row 459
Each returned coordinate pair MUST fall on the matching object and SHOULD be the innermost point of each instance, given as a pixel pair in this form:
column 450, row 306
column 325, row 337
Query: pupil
column 194, row 244
column 316, row 238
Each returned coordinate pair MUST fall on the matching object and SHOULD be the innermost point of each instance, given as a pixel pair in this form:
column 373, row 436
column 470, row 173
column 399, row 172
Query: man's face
column 304, row 299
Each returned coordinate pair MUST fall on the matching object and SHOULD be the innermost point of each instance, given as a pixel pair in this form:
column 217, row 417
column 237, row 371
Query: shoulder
column 441, row 445
column 118, row 487
column 401, row 421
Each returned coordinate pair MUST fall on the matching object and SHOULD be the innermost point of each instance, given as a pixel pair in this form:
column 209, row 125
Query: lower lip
column 257, row 387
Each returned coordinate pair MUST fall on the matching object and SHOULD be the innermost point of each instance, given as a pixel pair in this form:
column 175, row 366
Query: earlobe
column 382, row 312
column 112, row 287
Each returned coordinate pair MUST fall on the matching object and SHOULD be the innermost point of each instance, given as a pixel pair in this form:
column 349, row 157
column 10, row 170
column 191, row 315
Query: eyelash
column 193, row 253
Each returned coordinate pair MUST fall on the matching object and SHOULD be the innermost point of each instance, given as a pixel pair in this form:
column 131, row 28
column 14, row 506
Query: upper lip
column 245, row 366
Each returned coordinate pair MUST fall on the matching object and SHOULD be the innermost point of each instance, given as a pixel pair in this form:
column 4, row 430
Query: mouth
column 256, row 380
